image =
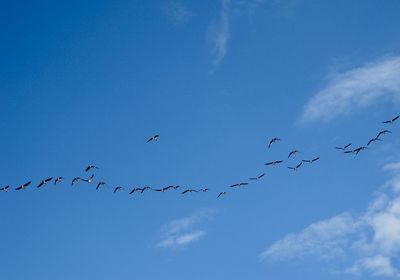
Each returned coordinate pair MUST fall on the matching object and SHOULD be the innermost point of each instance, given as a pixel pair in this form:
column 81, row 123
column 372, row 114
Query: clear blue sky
column 85, row 82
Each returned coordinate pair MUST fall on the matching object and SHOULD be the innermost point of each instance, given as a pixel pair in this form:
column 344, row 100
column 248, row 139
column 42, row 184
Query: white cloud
column 177, row 12
column 356, row 88
column 182, row 232
column 370, row 241
column 218, row 34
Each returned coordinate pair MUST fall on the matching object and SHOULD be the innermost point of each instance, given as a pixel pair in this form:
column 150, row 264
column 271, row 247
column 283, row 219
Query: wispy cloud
column 218, row 33
column 177, row 12
column 356, row 88
column 182, row 232
column 371, row 241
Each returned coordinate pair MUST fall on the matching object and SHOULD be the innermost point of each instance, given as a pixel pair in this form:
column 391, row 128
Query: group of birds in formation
column 346, row 149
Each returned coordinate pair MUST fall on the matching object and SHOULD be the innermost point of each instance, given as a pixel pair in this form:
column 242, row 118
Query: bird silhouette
column 383, row 132
column 392, row 120
column 118, row 189
column 44, row 182
column 292, row 153
column 5, row 189
column 373, row 140
column 88, row 180
column 296, row 167
column 100, row 184
column 89, row 167
column 221, row 194
column 238, row 185
column 189, row 191
column 58, row 180
column 272, row 141
column 153, row 138
column 76, row 180
column 23, row 186
column 344, row 147
column 257, row 178
column 273, row 162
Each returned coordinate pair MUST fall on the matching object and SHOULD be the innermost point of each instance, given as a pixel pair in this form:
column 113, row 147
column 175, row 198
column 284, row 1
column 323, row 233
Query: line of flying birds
column 346, row 149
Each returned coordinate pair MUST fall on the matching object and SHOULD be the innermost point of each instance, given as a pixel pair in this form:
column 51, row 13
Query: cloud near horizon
column 354, row 89
column 369, row 242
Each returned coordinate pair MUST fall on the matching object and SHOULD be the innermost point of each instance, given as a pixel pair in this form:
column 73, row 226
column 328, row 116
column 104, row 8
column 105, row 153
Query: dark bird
column 356, row 151
column 157, row 190
column 189, row 191
column 76, row 180
column 373, row 140
column 273, row 162
column 392, row 120
column 311, row 161
column 221, row 193
column 24, row 186
column 153, row 138
column 257, row 178
column 134, row 190
column 383, row 132
column 118, row 189
column 100, row 184
column 343, row 148
column 272, row 141
column 88, row 180
column 238, row 185
column 294, row 152
column 89, row 167
column 44, row 182
column 204, row 190
column 58, row 180
column 297, row 166
column 170, row 187
column 5, row 189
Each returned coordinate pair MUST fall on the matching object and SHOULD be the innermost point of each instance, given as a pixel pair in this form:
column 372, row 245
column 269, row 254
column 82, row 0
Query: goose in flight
column 238, row 185
column 392, row 120
column 134, row 190
column 383, row 132
column 189, row 191
column 24, row 186
column 273, row 162
column 170, row 187
column 344, row 147
column 221, row 194
column 257, row 178
column 373, row 140
column 88, row 180
column 118, row 189
column 153, row 138
column 100, row 184
column 76, row 180
column 296, row 167
column 89, row 167
column 58, row 180
column 311, row 161
column 5, row 189
column 292, row 153
column 272, row 141
column 356, row 151
column 204, row 190
column 44, row 182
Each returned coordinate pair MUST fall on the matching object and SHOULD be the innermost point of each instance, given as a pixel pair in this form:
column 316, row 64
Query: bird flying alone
column 392, row 120
column 272, row 141
column 153, row 138
column 296, row 167
column 24, row 186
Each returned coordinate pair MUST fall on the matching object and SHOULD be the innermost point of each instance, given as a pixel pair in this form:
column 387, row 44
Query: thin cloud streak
column 354, row 89
column 369, row 242
column 218, row 34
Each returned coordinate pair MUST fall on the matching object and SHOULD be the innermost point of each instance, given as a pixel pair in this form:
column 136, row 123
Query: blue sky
column 88, row 82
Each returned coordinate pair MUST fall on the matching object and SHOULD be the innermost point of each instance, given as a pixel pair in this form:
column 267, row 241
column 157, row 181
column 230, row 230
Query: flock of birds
column 345, row 149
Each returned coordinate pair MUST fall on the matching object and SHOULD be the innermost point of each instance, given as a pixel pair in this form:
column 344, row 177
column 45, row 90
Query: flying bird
column 189, row 191
column 204, row 190
column 134, row 190
column 58, row 180
column 343, row 148
column 294, row 152
column 273, row 162
column 5, row 189
column 44, row 182
column 24, row 186
column 76, row 180
column 171, row 187
column 88, row 180
column 257, row 178
column 272, row 141
column 311, row 161
column 89, row 167
column 356, row 151
column 222, row 193
column 118, row 189
column 295, row 168
column 392, row 120
column 383, row 132
column 238, row 185
column 100, row 184
column 373, row 140
column 153, row 138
